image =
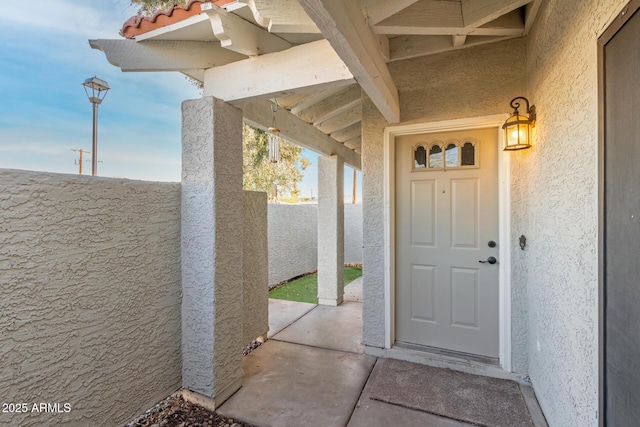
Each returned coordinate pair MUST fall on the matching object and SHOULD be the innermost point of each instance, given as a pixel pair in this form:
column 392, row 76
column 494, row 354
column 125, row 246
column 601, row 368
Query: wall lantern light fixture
column 517, row 128
column 274, row 136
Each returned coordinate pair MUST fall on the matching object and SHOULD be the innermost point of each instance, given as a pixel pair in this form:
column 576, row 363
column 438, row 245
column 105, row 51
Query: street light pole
column 99, row 89
column 94, row 152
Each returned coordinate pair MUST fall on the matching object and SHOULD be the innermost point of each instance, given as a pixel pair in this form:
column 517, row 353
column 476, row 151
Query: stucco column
column 330, row 230
column 212, row 206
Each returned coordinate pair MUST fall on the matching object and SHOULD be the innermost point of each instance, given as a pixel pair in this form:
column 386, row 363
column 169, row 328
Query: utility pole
column 355, row 175
column 80, row 161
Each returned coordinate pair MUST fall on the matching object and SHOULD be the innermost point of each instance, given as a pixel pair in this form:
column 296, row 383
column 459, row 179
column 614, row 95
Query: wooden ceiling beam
column 281, row 16
column 479, row 12
column 354, row 143
column 341, row 121
column 348, row 133
column 515, row 31
column 332, row 106
column 406, row 47
column 530, row 13
column 458, row 41
column 425, row 13
column 314, row 98
column 379, row 10
column 289, row 100
column 304, row 68
column 433, row 18
column 344, row 26
column 164, row 55
column 242, row 36
column 259, row 114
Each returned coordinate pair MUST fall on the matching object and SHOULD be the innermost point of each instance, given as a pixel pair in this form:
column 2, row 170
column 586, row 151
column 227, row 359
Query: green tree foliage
column 261, row 175
column 148, row 7
column 276, row 179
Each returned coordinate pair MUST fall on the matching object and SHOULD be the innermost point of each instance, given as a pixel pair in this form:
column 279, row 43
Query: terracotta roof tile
column 137, row 25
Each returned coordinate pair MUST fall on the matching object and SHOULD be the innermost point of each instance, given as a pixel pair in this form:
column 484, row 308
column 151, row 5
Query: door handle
column 490, row 260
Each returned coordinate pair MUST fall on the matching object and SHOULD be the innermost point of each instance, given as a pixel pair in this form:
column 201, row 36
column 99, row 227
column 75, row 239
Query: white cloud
column 83, row 18
column 32, row 147
column 142, row 158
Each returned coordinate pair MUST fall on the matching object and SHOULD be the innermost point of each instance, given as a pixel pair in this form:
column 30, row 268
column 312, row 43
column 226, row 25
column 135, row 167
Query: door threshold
column 435, row 351
column 439, row 358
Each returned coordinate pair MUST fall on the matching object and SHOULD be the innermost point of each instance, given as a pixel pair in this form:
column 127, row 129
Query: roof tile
column 137, row 25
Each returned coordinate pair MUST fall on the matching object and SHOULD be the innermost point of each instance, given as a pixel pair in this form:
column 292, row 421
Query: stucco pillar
column 212, row 221
column 330, row 230
column 255, row 248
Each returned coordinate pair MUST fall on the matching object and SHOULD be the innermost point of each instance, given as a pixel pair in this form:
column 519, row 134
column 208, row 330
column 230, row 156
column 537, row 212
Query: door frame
column 504, row 222
column 611, row 30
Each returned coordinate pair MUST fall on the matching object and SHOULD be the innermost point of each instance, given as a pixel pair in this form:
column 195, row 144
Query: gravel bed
column 252, row 346
column 174, row 411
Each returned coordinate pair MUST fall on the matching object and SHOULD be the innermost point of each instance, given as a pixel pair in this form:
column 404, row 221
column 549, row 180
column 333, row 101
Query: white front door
column 446, row 223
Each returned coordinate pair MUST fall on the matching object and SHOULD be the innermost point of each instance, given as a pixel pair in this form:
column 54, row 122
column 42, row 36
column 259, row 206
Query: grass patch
column 305, row 289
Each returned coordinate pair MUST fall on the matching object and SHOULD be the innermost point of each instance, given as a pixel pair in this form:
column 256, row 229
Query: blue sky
column 44, row 112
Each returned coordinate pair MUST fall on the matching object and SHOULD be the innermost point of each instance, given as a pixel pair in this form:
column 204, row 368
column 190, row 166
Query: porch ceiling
column 250, row 51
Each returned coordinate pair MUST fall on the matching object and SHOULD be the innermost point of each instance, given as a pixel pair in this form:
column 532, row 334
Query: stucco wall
column 353, row 233
column 472, row 82
column 555, row 192
column 293, row 239
column 464, row 83
column 89, row 296
column 255, row 267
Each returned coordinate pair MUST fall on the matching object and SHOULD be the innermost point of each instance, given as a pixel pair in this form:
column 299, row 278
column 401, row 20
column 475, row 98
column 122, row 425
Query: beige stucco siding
column 89, row 296
column 555, row 204
column 472, row 82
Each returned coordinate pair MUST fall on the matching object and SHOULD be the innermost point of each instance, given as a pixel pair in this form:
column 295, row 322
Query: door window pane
column 468, row 154
column 451, row 155
column 420, row 157
column 435, row 157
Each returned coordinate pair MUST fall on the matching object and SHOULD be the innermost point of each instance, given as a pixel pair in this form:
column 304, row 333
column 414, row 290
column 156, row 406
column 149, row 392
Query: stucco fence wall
column 90, row 293
column 89, row 296
column 293, row 239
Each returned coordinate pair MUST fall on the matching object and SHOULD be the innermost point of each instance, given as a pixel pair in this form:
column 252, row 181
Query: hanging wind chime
column 274, row 136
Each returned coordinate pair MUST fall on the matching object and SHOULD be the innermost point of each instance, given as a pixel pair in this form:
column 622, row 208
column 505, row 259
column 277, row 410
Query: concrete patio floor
column 312, row 372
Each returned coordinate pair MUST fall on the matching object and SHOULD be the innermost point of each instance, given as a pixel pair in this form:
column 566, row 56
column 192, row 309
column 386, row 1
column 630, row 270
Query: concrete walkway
column 312, row 372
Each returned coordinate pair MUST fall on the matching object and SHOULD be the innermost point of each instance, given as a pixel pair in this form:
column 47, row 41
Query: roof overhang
column 251, row 51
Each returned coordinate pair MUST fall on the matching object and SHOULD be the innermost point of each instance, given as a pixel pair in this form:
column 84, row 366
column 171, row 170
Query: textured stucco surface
column 89, row 296
column 212, row 225
column 473, row 82
column 353, row 233
column 330, row 230
column 255, row 267
column 373, row 271
column 293, row 239
column 555, row 189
